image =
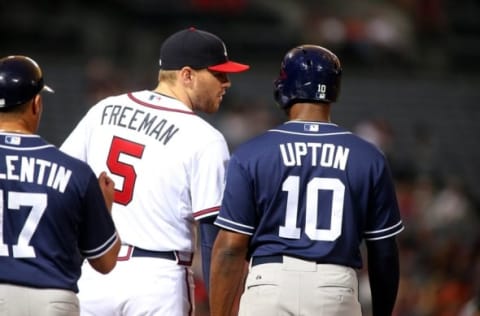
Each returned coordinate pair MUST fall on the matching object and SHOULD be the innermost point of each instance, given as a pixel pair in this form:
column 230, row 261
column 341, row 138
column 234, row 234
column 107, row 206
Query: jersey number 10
column 291, row 186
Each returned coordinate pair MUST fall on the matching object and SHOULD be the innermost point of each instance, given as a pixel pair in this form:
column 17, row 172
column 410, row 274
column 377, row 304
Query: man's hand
column 108, row 189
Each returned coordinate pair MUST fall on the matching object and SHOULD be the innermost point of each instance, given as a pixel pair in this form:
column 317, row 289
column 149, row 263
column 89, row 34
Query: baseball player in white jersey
column 168, row 165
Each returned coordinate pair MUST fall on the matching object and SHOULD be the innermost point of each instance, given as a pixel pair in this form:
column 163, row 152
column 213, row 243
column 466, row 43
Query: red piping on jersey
column 153, row 106
column 206, row 211
column 127, row 255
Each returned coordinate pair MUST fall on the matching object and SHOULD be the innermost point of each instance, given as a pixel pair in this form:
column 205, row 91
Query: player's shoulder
column 82, row 175
column 269, row 141
column 99, row 105
column 366, row 147
column 209, row 128
column 64, row 164
column 255, row 146
column 343, row 136
column 73, row 162
column 202, row 131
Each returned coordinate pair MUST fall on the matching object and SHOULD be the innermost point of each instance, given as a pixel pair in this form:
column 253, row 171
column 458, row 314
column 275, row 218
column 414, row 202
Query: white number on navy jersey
column 291, row 186
column 38, row 204
column 126, row 171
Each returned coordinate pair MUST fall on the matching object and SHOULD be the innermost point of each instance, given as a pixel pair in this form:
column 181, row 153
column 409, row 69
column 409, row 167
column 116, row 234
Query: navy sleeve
column 97, row 232
column 383, row 272
column 208, row 233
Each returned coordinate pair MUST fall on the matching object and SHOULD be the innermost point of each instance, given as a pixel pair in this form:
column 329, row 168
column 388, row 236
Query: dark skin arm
column 227, row 271
column 107, row 261
column 383, row 272
column 208, row 234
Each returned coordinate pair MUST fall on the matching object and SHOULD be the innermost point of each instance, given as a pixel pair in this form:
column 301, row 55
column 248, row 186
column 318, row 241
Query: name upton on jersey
column 324, row 155
column 139, row 121
column 35, row 170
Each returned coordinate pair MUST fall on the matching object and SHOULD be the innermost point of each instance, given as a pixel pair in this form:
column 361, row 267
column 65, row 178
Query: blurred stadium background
column 411, row 85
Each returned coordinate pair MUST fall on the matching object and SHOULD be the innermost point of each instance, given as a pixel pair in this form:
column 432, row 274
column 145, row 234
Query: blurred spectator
column 472, row 307
column 450, row 211
column 376, row 131
column 245, row 121
column 103, row 79
column 425, row 151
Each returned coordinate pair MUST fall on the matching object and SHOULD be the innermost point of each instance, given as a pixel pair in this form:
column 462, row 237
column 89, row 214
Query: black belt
column 132, row 251
column 267, row 259
column 274, row 259
column 138, row 252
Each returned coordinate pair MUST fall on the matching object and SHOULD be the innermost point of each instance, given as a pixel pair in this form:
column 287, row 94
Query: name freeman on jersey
column 138, row 121
column 323, row 155
column 35, row 170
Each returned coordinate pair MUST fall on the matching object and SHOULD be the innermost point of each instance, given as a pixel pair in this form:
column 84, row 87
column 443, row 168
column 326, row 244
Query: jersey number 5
column 291, row 186
column 125, row 170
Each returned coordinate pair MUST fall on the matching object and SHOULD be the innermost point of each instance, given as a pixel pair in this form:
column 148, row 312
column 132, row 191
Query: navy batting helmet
column 20, row 80
column 308, row 73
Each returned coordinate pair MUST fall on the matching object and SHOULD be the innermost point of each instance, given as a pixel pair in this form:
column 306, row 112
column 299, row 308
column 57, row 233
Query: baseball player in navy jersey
column 298, row 202
column 168, row 165
column 54, row 212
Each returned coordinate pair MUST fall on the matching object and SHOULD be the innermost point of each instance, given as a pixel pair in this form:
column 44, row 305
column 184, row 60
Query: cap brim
column 229, row 66
column 48, row 89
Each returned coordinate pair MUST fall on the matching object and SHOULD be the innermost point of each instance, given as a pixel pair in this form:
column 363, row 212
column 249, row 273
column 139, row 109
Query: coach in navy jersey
column 54, row 212
column 299, row 200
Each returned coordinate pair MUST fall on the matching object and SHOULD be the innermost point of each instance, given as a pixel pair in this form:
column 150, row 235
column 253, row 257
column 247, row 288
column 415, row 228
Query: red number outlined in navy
column 122, row 169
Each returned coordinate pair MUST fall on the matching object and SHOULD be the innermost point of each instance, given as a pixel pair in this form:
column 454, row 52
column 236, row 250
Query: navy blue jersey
column 310, row 190
column 52, row 214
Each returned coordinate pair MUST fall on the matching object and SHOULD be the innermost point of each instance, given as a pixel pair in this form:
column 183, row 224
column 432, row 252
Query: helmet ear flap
column 278, row 94
column 278, row 89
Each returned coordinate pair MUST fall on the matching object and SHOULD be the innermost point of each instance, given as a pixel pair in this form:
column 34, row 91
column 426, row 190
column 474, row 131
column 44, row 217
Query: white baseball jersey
column 168, row 165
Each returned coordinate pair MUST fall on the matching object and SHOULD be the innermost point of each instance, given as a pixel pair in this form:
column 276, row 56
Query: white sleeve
column 208, row 179
column 75, row 143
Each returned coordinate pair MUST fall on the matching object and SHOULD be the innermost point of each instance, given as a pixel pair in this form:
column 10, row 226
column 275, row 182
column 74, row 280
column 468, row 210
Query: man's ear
column 37, row 104
column 186, row 75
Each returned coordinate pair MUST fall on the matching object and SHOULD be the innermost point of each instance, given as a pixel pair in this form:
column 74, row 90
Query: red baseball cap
column 197, row 49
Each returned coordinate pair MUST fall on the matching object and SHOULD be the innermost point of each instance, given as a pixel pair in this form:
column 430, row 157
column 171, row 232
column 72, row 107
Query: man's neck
column 173, row 92
column 14, row 127
column 313, row 112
